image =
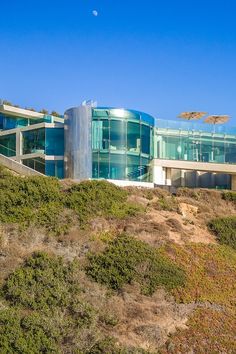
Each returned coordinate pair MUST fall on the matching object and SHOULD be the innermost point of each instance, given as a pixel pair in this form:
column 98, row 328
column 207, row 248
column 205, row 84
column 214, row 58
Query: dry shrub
column 151, row 227
column 174, row 224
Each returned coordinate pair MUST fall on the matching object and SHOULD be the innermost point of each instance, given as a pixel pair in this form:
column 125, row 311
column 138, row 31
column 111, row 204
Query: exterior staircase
column 18, row 167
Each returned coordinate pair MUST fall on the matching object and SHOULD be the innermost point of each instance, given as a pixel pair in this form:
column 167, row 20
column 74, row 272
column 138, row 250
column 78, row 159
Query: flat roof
column 20, row 112
column 26, row 113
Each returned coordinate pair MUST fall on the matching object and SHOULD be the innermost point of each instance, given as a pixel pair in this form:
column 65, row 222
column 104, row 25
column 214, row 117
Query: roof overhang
column 20, row 112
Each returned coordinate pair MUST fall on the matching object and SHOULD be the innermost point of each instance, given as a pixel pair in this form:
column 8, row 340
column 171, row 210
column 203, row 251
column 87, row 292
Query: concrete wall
column 233, row 182
column 131, row 183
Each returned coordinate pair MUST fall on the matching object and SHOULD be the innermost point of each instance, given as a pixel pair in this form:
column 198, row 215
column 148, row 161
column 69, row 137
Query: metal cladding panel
column 78, row 144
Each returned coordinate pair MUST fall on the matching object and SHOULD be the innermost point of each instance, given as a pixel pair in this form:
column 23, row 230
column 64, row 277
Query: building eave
column 20, row 112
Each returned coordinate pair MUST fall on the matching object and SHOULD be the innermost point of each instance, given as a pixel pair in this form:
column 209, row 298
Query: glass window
column 117, row 135
column 96, row 135
column 104, row 171
column 1, row 121
column 34, row 141
column 145, row 170
column 55, row 141
column 37, row 164
column 100, row 112
column 133, row 172
column 55, row 168
column 230, row 149
column 133, row 137
column 117, row 166
column 8, row 145
column 207, row 148
column 218, row 150
column 14, row 122
column 36, row 121
column 105, row 134
column 145, row 138
column 172, row 149
column 95, row 169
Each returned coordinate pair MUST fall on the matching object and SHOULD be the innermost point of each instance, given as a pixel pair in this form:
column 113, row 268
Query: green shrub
column 21, row 198
column 99, row 198
column 168, row 203
column 53, row 217
column 42, row 283
column 27, row 334
column 108, row 346
column 4, row 173
column 230, row 196
column 48, row 307
column 41, row 201
column 126, row 259
column 225, row 230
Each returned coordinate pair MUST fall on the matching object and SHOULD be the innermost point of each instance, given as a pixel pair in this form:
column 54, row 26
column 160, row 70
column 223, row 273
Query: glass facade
column 11, row 122
column 49, row 141
column 122, row 144
column 194, row 145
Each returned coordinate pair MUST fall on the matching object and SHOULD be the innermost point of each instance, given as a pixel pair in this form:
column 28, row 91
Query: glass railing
column 194, row 126
column 6, row 151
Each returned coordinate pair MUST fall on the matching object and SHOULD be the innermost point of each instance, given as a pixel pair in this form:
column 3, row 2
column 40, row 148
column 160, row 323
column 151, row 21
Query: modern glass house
column 120, row 145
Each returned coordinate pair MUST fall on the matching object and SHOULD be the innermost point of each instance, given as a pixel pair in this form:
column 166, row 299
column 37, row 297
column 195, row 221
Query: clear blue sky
column 159, row 56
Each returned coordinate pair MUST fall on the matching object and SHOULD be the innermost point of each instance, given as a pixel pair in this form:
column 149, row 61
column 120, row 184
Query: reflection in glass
column 34, row 141
column 37, row 164
column 117, row 135
column 119, row 139
column 133, row 137
column 55, row 141
column 195, row 146
column 55, row 168
column 8, row 145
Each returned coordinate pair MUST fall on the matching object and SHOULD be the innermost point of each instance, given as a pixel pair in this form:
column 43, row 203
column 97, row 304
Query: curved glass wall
column 122, row 144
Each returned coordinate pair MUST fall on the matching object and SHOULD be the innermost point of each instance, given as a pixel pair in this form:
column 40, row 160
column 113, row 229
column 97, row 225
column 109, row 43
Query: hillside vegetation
column 91, row 268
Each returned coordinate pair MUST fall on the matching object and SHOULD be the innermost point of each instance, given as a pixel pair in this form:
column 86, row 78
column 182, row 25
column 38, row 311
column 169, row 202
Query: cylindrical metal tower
column 78, row 144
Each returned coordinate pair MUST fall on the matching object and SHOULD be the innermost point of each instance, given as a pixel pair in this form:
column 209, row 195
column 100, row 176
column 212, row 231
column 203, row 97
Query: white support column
column 18, row 145
column 168, row 176
column 182, row 178
column 233, row 182
column 159, row 175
